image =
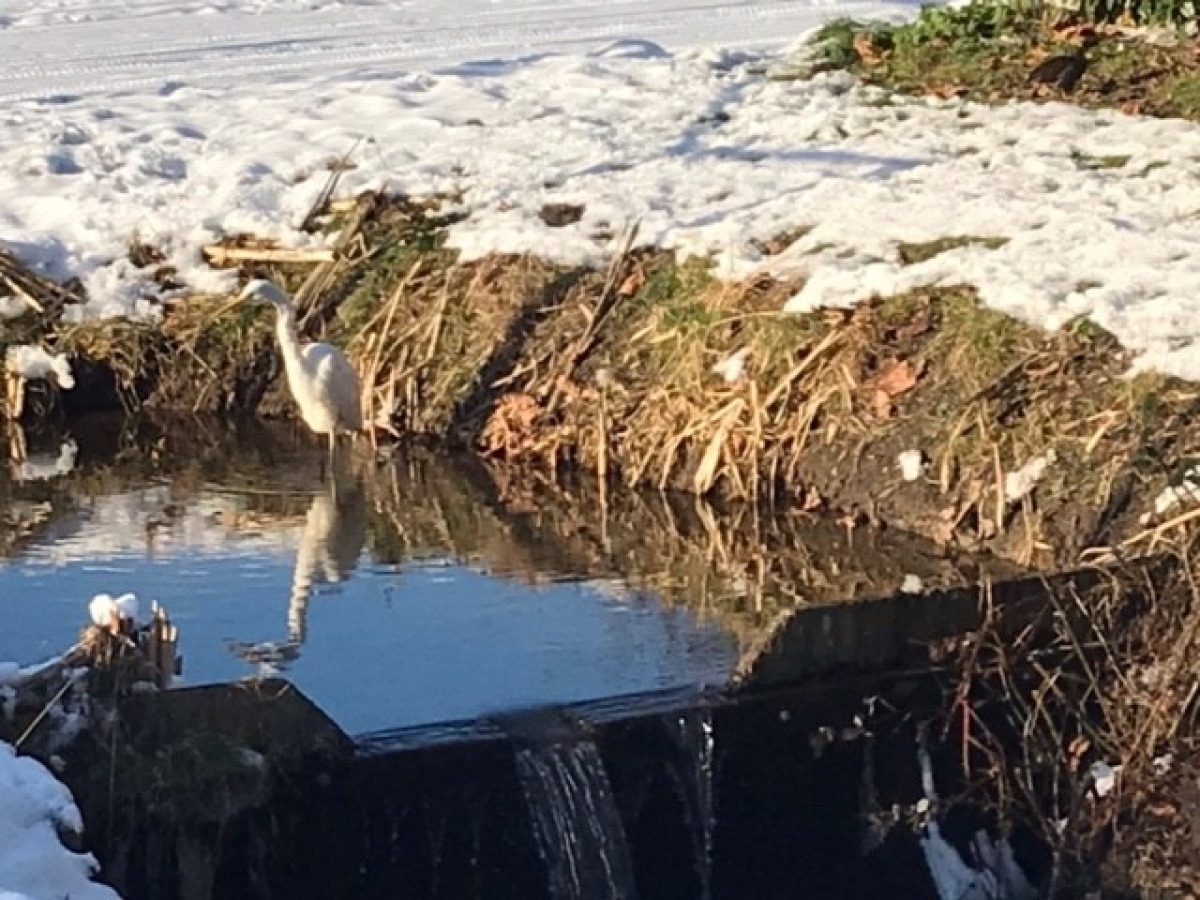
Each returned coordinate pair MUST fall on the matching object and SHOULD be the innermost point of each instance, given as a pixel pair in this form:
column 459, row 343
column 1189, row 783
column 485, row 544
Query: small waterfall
column 692, row 733
column 577, row 824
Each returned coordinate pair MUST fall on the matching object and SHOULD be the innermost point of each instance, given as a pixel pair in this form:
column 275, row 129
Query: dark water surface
column 384, row 596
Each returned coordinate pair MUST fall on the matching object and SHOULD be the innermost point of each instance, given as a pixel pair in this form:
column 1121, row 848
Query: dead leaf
column 1131, row 108
column 812, row 500
column 897, row 377
column 1076, row 750
column 864, row 46
column 919, row 324
column 633, row 283
column 510, row 426
column 881, row 404
column 944, row 90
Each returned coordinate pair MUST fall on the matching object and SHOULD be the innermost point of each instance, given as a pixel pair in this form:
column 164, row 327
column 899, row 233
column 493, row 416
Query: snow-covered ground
column 34, row 864
column 182, row 121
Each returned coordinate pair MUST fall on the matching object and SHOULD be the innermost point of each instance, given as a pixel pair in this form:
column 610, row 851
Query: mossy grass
column 985, row 51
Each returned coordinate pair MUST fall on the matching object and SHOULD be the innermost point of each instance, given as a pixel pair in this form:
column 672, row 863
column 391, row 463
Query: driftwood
column 43, row 296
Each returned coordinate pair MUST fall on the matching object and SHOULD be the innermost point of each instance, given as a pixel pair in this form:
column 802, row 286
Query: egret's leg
column 333, row 465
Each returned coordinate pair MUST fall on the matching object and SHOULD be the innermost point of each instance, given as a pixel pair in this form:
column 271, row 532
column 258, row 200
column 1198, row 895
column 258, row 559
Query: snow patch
column 701, row 147
column 34, row 864
column 111, row 613
column 911, row 463
column 1019, row 483
column 1104, row 777
column 1187, row 491
column 32, row 363
column 733, row 367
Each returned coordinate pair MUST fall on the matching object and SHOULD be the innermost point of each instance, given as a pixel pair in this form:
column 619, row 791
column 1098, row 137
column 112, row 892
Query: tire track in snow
column 55, row 60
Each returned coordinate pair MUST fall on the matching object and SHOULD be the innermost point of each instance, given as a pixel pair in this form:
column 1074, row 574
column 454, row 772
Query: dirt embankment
column 923, row 411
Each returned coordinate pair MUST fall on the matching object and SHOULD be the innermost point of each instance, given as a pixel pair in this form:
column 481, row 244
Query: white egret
column 321, row 379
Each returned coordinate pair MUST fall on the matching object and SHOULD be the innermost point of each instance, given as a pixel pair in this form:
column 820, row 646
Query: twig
column 331, row 183
column 1159, row 530
column 220, row 255
column 609, row 298
column 68, row 682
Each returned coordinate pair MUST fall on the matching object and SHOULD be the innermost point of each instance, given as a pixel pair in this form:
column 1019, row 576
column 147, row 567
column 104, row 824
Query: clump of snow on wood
column 701, row 147
column 912, row 584
column 1104, row 777
column 110, row 612
column 1019, row 483
column 34, row 864
column 911, row 463
column 1187, row 490
column 32, row 363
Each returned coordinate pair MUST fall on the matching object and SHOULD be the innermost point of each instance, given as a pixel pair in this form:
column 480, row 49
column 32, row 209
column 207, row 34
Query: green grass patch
column 986, row 51
column 920, row 251
column 1101, row 161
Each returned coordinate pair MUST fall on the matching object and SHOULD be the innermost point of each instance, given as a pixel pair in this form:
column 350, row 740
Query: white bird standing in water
column 321, row 379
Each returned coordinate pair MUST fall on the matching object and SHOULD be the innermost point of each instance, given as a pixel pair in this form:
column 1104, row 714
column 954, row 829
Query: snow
column 45, row 466
column 34, row 864
column 1173, row 495
column 1104, row 777
column 911, row 463
column 912, row 584
column 182, row 122
column 1019, row 483
column 733, row 367
column 109, row 612
column 34, row 362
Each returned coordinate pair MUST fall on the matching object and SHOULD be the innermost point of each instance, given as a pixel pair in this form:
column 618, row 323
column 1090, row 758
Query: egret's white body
column 321, row 379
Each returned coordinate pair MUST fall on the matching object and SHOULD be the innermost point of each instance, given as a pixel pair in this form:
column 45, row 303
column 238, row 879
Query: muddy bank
column 924, row 412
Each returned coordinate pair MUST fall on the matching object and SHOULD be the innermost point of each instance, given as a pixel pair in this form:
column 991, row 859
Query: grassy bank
column 1029, row 444
column 989, row 52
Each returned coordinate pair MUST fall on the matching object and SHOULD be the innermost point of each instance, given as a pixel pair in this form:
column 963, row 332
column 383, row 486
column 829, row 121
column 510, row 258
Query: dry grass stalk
column 220, row 255
column 1079, row 675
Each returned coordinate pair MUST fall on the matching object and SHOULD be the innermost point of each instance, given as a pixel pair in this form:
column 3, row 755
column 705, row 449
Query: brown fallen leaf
column 864, row 46
column 633, row 283
column 510, row 426
column 944, row 90
column 812, row 500
column 919, row 324
column 896, row 378
column 881, row 404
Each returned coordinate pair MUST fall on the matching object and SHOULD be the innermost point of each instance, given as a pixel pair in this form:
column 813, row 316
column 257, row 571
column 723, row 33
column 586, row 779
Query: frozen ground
column 182, row 122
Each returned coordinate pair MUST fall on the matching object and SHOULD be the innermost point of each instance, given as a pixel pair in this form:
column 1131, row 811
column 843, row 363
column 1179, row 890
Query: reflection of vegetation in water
column 743, row 570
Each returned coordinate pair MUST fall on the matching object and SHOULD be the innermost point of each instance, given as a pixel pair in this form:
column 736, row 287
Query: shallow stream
column 356, row 589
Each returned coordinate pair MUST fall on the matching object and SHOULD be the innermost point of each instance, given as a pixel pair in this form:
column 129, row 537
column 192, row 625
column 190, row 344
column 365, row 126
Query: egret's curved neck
column 285, row 330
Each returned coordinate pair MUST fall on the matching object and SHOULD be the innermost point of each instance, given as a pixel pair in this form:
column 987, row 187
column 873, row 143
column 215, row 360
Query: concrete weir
column 779, row 785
